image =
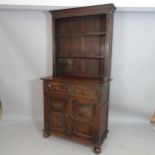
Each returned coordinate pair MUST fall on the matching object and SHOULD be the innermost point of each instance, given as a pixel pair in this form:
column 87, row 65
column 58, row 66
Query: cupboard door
column 83, row 113
column 57, row 110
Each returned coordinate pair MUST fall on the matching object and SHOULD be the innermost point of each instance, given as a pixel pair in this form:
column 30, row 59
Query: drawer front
column 85, row 91
column 55, row 87
column 72, row 89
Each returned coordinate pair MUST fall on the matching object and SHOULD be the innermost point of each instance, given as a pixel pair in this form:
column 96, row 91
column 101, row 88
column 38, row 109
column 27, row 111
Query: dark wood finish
column 76, row 97
column 97, row 149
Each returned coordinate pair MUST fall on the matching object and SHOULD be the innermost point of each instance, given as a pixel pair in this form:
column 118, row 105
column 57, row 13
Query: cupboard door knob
column 66, row 115
column 49, row 85
column 73, row 116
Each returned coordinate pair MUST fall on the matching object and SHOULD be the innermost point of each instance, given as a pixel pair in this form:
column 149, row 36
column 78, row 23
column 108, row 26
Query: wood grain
column 76, row 97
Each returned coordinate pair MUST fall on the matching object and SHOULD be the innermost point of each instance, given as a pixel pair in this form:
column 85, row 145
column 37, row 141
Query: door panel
column 82, row 130
column 57, row 120
column 57, row 109
column 83, row 119
column 83, row 110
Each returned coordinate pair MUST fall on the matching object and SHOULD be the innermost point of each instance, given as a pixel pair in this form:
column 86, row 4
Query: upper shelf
column 81, row 34
column 79, row 57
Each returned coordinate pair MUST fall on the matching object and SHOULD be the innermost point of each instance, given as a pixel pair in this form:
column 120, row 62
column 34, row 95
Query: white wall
column 133, row 73
column 25, row 56
column 120, row 3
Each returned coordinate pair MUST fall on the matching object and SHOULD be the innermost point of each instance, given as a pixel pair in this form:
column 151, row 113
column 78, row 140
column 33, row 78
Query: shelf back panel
column 92, row 46
column 83, row 24
column 79, row 67
column 82, row 36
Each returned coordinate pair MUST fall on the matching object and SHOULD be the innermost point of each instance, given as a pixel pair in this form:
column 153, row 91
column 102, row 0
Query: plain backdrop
column 26, row 56
column 120, row 3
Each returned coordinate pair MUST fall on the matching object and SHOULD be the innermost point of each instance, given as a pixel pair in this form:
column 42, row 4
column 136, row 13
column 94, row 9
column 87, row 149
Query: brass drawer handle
column 67, row 116
column 57, row 88
column 83, row 93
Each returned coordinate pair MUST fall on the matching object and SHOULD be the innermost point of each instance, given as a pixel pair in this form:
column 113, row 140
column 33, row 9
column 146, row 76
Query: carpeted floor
column 25, row 138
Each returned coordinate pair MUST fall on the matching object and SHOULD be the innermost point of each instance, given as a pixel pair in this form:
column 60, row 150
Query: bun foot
column 46, row 134
column 97, row 149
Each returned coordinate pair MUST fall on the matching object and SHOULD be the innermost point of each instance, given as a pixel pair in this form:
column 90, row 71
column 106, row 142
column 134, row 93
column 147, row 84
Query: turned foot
column 46, row 134
column 97, row 149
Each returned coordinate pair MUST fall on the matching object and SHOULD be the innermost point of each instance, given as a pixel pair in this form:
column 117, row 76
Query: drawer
column 85, row 91
column 72, row 89
column 55, row 87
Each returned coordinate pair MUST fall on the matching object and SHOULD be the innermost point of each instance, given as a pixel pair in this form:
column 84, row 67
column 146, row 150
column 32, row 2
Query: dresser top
column 74, row 79
column 87, row 10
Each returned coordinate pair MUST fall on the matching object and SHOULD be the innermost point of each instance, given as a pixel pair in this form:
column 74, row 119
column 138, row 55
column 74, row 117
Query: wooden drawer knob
column 49, row 85
column 66, row 115
column 73, row 116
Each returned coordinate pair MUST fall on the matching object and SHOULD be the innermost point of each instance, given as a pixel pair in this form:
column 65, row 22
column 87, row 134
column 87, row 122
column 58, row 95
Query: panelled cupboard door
column 83, row 114
column 57, row 108
column 74, row 119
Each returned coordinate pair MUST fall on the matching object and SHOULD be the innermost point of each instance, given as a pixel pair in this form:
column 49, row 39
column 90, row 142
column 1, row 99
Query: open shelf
column 80, row 46
column 85, row 67
column 80, row 57
column 81, row 34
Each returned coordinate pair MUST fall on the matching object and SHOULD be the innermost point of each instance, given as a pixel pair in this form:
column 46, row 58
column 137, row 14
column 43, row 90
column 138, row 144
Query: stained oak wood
column 76, row 97
column 79, row 37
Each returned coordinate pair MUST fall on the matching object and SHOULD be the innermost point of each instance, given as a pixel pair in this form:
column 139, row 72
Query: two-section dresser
column 76, row 97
